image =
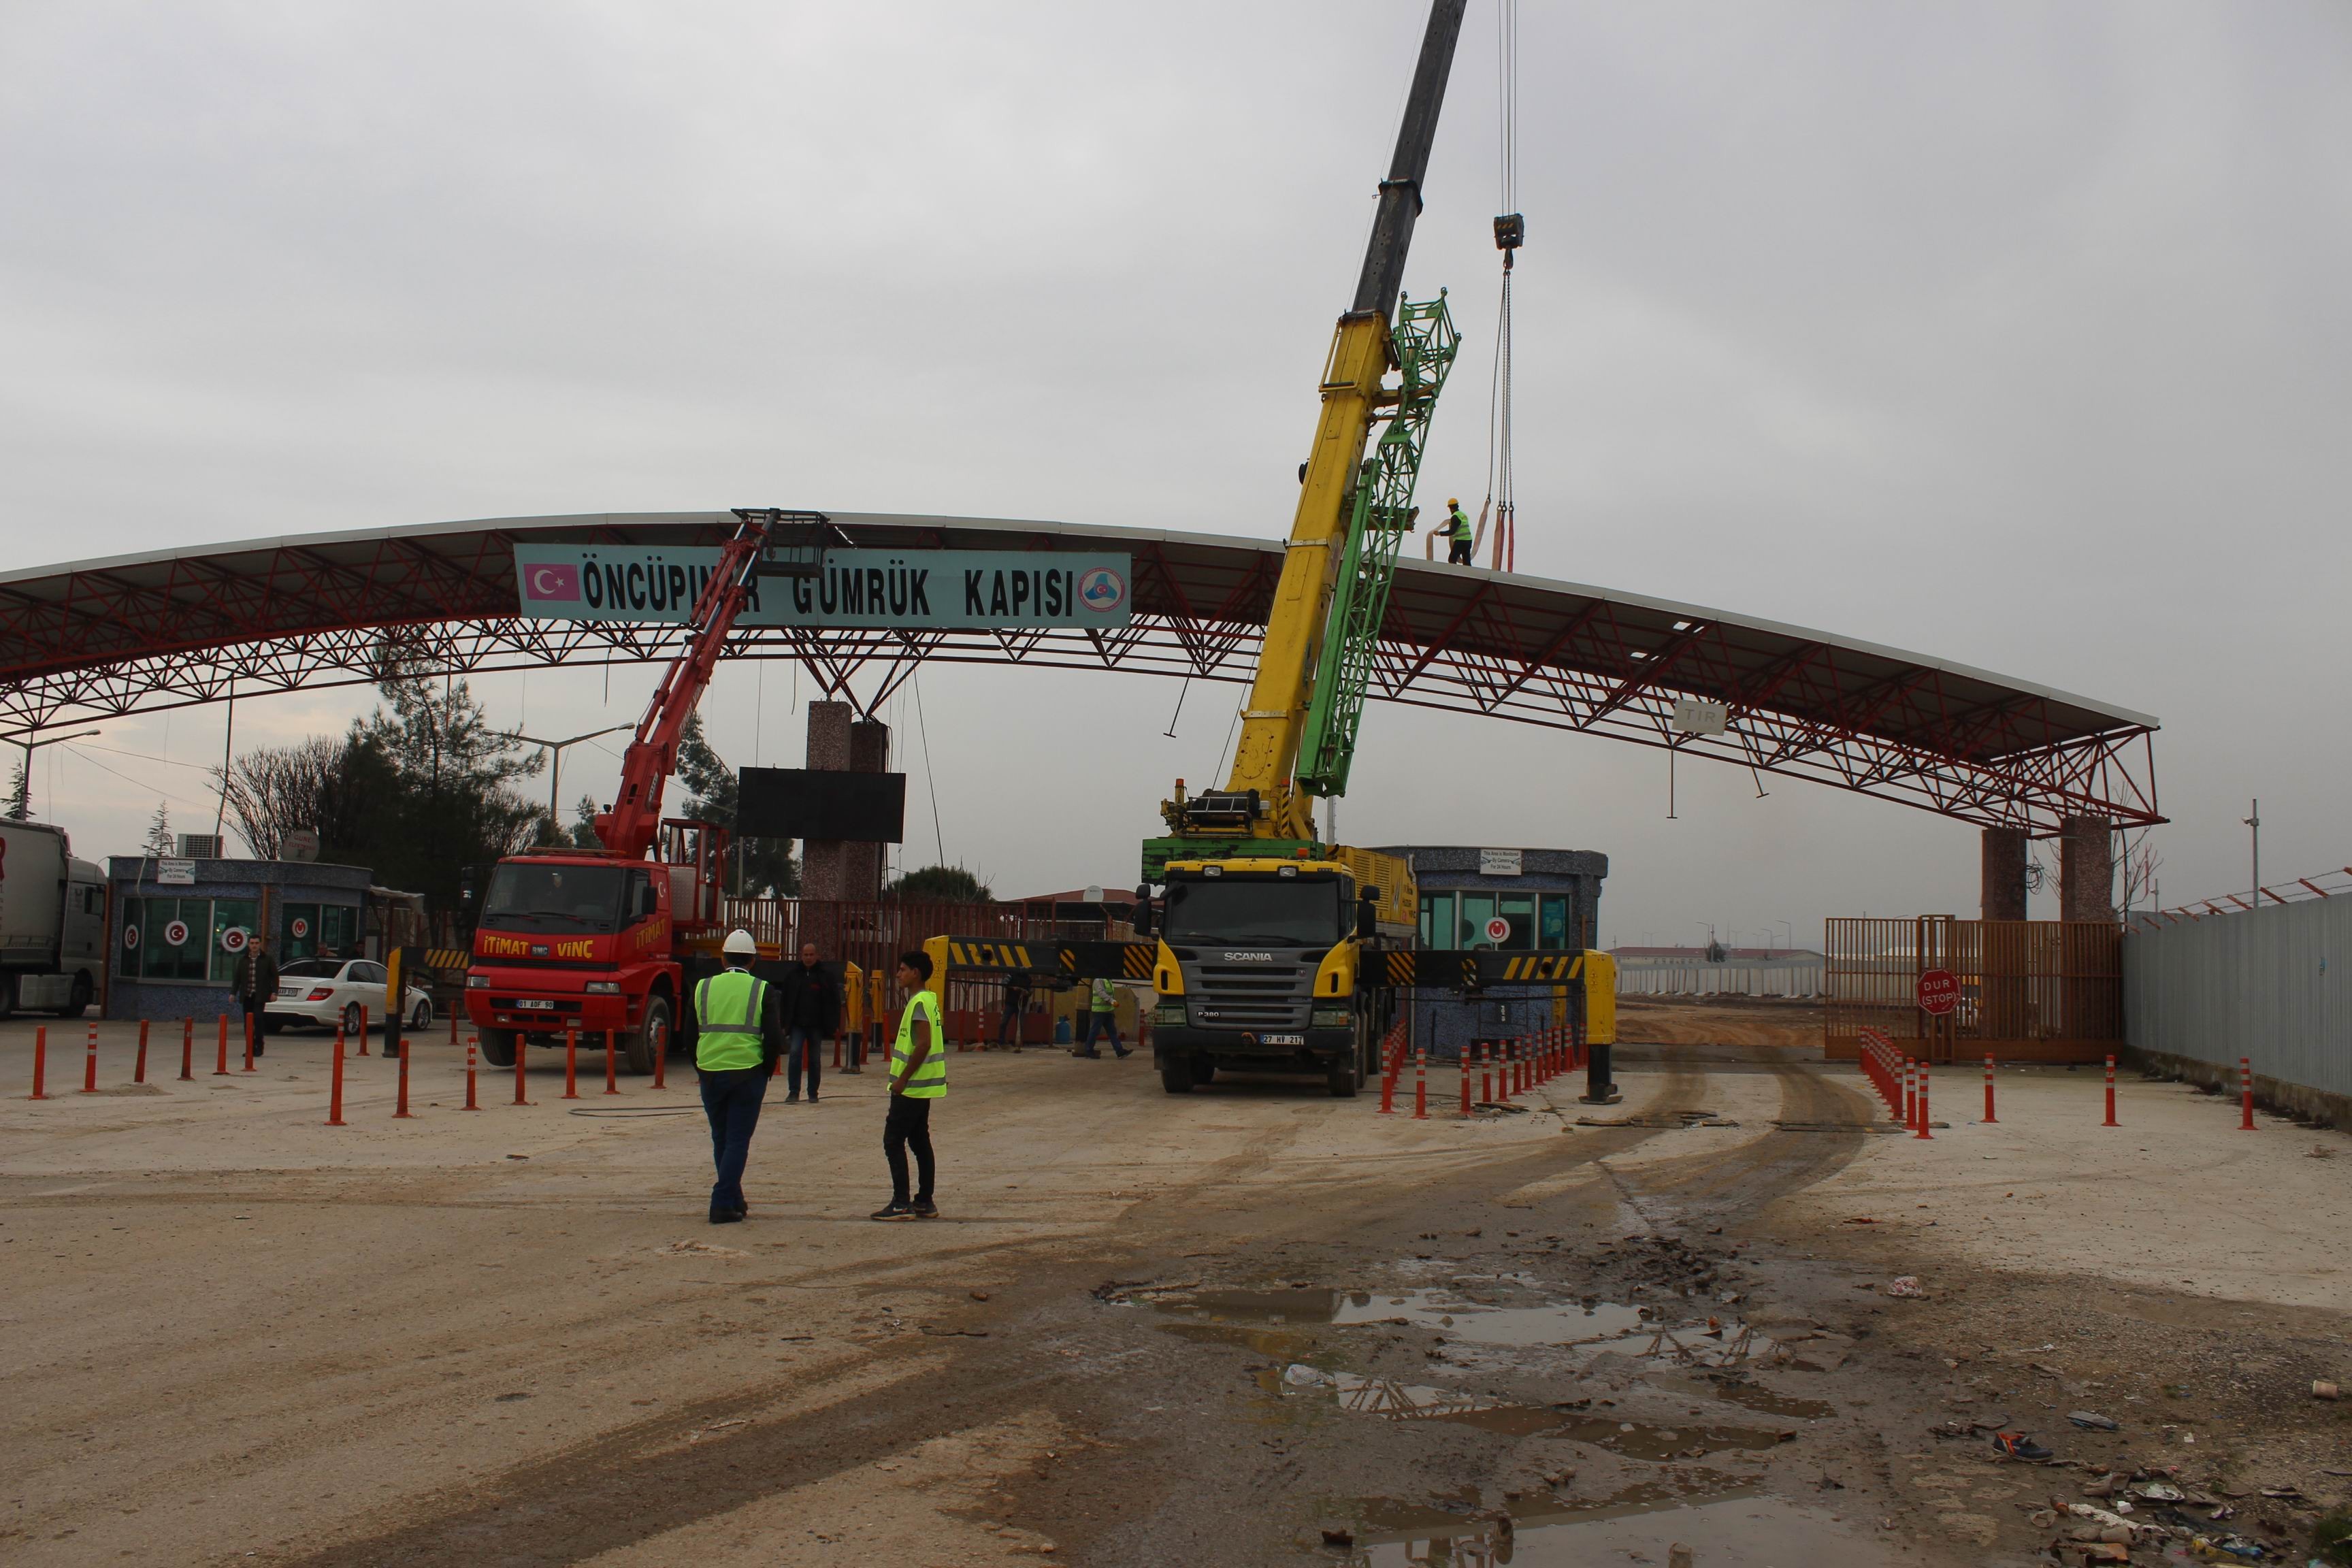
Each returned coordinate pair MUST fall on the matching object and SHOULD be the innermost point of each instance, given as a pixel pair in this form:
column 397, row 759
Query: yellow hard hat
column 1452, row 501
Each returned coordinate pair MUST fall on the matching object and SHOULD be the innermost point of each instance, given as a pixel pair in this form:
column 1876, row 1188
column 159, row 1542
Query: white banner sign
column 1499, row 863
column 912, row 590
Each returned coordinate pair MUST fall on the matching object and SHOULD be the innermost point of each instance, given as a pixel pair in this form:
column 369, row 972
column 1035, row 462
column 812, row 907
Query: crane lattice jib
column 1423, row 341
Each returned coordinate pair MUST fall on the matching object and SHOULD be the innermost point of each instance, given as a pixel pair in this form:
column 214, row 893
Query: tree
column 158, row 832
column 754, row 865
column 940, row 885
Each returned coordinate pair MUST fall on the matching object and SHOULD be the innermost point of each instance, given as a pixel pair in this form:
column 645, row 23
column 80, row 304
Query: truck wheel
column 1343, row 1077
column 77, row 998
column 498, row 1048
column 650, row 1039
column 8, row 996
column 1176, row 1074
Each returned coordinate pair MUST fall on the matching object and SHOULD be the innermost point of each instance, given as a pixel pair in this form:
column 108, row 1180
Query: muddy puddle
column 1587, row 1325
column 1726, row 1525
column 1394, row 1401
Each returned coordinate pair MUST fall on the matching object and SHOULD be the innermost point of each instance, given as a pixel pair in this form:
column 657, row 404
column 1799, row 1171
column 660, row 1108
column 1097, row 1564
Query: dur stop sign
column 1939, row 991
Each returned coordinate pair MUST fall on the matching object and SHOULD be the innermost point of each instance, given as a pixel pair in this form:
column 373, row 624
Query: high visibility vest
column 1456, row 525
column 726, row 1008
column 931, row 1080
column 1105, row 1000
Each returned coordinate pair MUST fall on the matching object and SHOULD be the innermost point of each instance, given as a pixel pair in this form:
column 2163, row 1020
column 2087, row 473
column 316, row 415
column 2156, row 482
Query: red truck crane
column 612, row 938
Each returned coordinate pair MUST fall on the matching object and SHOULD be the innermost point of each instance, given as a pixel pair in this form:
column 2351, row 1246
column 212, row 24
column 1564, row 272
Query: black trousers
column 1457, row 552
column 909, row 1126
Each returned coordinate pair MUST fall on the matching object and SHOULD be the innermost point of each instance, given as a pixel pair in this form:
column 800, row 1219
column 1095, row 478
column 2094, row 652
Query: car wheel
column 498, row 1048
column 354, row 1016
column 649, row 1041
column 1342, row 1081
column 422, row 1019
column 1176, row 1074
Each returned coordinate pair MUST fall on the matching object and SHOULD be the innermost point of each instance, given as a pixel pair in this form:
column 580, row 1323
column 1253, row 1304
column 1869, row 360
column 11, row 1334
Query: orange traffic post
column 1909, row 1114
column 612, row 1051
column 90, row 1064
column 139, row 1073
column 2246, row 1094
column 521, row 1049
column 40, row 1061
column 1989, row 1116
column 661, row 1059
column 187, row 1049
column 2111, row 1120
column 570, row 1061
column 220, row 1066
column 453, row 1028
column 1485, row 1074
column 363, row 1050
column 1419, row 1084
column 1461, row 1065
column 335, row 1092
column 1923, row 1131
column 248, row 1042
column 471, row 1048
column 1387, row 1091
column 400, row 1112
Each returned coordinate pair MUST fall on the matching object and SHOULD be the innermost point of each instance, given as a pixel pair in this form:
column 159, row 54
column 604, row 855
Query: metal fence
column 1734, row 977
column 2274, row 984
column 2032, row 990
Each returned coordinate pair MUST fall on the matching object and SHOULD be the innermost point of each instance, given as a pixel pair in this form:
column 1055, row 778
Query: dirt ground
column 1251, row 1325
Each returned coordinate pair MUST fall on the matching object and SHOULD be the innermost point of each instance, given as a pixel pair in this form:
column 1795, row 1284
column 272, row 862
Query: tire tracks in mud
column 1734, row 1187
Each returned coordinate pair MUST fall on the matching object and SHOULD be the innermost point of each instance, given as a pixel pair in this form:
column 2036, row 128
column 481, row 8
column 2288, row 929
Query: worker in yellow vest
column 919, row 1075
column 736, row 1047
column 1457, row 533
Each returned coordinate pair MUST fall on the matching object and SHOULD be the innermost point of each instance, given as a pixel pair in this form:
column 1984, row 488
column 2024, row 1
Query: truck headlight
column 478, row 983
column 603, row 989
column 1168, row 1012
column 1328, row 1018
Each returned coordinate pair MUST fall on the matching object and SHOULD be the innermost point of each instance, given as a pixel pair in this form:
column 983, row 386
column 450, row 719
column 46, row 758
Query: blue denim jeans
column 797, row 1043
column 732, row 1100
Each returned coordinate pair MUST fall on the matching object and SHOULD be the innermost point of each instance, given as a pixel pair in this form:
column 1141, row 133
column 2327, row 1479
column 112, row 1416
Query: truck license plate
column 1282, row 1039
column 536, row 1004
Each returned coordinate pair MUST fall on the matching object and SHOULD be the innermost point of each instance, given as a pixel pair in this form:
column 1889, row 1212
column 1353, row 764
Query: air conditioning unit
column 201, row 846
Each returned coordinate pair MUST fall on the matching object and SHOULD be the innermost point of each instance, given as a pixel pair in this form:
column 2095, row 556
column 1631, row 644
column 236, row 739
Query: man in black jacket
column 808, row 1001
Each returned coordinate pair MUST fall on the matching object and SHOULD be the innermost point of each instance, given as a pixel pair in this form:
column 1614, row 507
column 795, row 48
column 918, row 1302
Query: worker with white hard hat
column 736, row 1047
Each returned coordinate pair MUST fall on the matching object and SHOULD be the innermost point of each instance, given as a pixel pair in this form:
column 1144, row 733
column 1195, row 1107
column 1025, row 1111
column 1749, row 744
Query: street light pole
column 2254, row 825
column 554, row 749
column 21, row 808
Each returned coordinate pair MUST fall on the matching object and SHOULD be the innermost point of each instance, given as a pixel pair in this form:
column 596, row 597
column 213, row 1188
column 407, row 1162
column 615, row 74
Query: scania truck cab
column 1257, row 965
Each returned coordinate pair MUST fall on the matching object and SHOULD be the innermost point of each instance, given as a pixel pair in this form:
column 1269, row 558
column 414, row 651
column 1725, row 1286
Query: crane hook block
column 1510, row 232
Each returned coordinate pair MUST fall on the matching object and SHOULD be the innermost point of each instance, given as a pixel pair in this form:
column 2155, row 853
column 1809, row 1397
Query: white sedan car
column 331, row 991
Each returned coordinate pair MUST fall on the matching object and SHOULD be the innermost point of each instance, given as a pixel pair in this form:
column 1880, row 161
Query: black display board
column 803, row 803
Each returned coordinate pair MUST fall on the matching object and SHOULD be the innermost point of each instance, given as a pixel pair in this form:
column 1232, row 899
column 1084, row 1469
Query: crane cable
column 1510, row 232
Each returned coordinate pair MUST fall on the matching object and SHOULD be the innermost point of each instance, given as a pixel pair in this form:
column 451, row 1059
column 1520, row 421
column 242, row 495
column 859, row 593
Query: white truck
column 52, row 922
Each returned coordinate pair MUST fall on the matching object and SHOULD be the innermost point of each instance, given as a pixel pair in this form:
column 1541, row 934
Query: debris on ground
column 1906, row 1285
column 2092, row 1421
column 2323, row 1389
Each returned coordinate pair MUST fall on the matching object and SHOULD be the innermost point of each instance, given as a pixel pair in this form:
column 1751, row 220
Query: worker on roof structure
column 1456, row 531
column 735, row 1050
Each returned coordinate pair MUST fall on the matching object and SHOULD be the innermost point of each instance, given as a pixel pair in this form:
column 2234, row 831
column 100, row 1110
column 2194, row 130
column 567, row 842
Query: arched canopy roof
column 136, row 633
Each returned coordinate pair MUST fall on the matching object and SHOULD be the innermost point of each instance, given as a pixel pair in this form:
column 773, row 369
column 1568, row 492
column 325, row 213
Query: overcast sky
column 2014, row 334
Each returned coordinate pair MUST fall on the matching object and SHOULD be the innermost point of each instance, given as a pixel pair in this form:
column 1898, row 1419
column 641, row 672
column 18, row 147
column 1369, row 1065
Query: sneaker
column 791, row 1099
column 924, row 1209
column 1123, row 1055
column 727, row 1217
column 893, row 1211
column 2018, row 1445
column 812, row 1097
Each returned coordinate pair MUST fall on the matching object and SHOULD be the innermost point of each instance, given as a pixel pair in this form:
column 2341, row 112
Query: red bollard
column 363, row 1050
column 335, row 1094
column 471, row 1045
column 2111, row 1120
column 40, row 1061
column 139, row 1073
column 611, row 1054
column 521, row 1047
column 220, row 1067
column 661, row 1060
column 1388, row 1093
column 401, row 1114
column 1923, row 1131
column 453, row 1029
column 1419, row 1086
column 248, row 1042
column 1485, row 1073
column 1518, row 1067
column 90, row 1064
column 187, row 1049
column 1461, row 1064
column 2246, row 1094
column 1910, row 1111
column 1989, row 1116
column 570, row 1061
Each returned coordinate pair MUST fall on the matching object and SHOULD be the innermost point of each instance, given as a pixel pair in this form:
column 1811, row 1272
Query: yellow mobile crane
column 1275, row 950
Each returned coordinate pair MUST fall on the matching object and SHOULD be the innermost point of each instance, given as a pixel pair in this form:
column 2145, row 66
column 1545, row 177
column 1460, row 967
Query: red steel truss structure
column 104, row 638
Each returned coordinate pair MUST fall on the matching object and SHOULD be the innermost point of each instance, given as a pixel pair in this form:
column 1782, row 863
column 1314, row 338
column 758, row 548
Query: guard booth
column 1500, row 900
column 179, row 926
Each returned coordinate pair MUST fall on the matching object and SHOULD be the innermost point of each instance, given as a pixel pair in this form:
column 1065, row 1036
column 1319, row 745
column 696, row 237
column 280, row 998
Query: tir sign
column 1939, row 991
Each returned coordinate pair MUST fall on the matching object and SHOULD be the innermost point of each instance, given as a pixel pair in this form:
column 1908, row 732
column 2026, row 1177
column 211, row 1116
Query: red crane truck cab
column 580, row 939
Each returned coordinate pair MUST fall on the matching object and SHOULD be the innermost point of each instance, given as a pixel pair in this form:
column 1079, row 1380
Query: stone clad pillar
column 2003, row 888
column 2086, row 869
column 835, row 869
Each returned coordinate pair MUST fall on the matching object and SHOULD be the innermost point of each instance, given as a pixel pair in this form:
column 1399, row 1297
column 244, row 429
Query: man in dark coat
column 257, row 985
column 808, row 1001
